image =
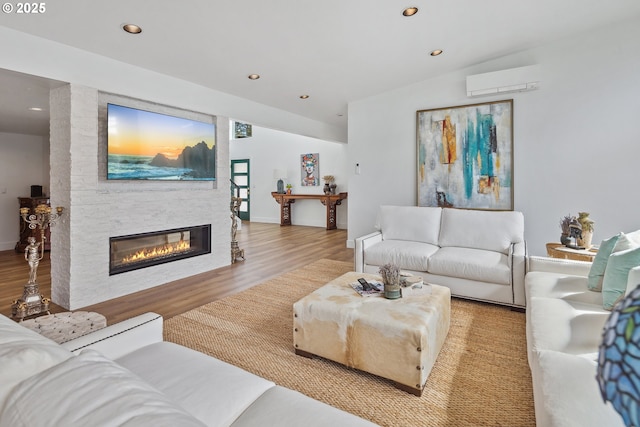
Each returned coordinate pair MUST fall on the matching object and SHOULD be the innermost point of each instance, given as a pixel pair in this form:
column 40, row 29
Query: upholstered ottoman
column 63, row 327
column 395, row 339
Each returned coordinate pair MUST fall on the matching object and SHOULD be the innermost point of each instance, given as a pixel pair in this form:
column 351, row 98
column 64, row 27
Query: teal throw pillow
column 614, row 285
column 596, row 274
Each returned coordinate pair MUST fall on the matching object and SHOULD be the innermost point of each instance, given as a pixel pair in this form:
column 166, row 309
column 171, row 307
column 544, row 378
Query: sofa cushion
column 24, row 353
column 490, row 230
column 90, row 390
column 412, row 223
column 197, row 382
column 562, row 286
column 596, row 274
column 405, row 254
column 472, row 264
column 570, row 393
column 614, row 284
column 287, row 408
column 566, row 326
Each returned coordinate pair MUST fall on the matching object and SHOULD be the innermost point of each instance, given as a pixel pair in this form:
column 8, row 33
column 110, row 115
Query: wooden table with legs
column 331, row 201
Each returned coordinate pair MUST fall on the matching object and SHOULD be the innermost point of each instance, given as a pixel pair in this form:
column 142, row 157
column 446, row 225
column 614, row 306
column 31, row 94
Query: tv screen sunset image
column 143, row 145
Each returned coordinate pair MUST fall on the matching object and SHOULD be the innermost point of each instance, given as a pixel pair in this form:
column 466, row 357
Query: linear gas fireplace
column 137, row 251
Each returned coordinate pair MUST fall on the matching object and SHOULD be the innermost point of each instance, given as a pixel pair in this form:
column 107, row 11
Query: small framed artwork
column 310, row 164
column 465, row 156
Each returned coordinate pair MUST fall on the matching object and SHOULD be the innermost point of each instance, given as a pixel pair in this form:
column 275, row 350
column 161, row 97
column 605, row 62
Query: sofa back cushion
column 489, row 230
column 412, row 223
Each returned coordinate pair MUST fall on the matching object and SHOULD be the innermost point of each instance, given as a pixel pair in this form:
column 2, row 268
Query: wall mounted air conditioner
column 512, row 80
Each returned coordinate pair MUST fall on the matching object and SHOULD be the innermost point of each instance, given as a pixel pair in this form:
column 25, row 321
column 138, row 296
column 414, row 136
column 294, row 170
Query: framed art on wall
column 465, row 156
column 310, row 173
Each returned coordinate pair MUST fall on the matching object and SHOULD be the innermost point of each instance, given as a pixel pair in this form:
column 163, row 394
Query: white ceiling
column 335, row 51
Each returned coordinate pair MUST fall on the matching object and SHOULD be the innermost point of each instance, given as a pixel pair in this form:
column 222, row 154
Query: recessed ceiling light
column 253, row 76
column 436, row 52
column 36, row 109
column 410, row 11
column 132, row 28
column 304, row 96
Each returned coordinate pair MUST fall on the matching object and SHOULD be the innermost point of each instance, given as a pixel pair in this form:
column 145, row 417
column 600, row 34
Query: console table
column 329, row 200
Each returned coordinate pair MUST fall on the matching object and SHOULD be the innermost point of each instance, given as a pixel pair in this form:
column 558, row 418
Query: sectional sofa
column 479, row 255
column 568, row 303
column 126, row 375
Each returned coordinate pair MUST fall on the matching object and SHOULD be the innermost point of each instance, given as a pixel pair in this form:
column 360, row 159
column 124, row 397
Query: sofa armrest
column 120, row 338
column 518, row 261
column 557, row 265
column 362, row 243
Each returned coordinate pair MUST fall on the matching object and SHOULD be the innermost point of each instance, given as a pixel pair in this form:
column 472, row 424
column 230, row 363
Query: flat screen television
column 143, row 145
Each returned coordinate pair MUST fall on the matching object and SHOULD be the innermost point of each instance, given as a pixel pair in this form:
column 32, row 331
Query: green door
column 240, row 176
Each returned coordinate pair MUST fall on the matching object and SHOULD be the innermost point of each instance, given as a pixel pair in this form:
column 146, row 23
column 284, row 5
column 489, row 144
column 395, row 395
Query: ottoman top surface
column 338, row 296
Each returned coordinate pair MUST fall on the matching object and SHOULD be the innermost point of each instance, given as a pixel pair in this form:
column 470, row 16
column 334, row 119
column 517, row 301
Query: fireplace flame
column 157, row 251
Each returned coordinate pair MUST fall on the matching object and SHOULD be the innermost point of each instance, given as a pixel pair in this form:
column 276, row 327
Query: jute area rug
column 481, row 377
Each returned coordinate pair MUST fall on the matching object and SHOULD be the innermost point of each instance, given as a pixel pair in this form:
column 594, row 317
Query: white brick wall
column 97, row 209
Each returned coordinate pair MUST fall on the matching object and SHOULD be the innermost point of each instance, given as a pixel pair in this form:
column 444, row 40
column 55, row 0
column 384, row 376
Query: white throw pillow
column 90, row 390
column 627, row 241
column 24, row 353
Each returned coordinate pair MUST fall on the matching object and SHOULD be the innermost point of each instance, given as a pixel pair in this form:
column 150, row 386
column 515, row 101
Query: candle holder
column 32, row 301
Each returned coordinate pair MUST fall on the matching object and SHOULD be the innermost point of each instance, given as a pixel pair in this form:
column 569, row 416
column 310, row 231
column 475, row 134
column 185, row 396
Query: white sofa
column 126, row 375
column 564, row 322
column 479, row 255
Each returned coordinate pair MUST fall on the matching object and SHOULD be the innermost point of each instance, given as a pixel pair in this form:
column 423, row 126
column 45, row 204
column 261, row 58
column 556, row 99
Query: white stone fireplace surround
column 96, row 209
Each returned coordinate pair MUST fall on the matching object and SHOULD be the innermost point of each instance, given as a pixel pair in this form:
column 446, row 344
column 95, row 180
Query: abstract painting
column 310, row 169
column 465, row 156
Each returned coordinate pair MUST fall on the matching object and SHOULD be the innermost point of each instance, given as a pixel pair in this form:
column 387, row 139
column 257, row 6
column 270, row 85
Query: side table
column 63, row 327
column 558, row 250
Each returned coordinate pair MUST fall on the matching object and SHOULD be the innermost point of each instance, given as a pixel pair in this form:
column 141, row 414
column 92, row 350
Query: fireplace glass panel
column 144, row 250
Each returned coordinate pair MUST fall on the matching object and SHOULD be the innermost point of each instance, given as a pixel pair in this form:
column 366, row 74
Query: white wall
column 21, row 165
column 270, row 149
column 576, row 139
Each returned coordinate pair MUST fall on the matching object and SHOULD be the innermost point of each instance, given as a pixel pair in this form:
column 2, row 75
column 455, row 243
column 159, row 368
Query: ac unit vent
column 512, row 80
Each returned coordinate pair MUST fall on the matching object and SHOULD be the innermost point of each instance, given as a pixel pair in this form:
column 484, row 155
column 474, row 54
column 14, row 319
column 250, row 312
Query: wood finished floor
column 270, row 250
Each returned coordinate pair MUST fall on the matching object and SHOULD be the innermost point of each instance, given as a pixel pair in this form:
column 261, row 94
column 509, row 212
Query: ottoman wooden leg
column 304, row 354
column 414, row 391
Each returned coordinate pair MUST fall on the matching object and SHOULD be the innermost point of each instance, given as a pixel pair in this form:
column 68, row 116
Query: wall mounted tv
column 142, row 145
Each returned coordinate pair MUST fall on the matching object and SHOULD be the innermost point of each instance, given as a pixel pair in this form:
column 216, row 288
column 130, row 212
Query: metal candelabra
column 237, row 254
column 32, row 301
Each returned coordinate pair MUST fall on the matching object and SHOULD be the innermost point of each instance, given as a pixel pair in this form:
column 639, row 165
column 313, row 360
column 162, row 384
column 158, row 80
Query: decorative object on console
column 391, row 278
column 587, row 230
column 328, row 182
column 564, row 226
column 32, row 301
column 279, row 174
column 310, row 169
column 618, row 371
column 289, row 188
column 465, row 156
column 575, row 234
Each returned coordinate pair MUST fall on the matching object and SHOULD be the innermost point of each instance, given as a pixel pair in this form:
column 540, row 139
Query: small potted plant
column 564, row 227
column 391, row 279
column 289, row 188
